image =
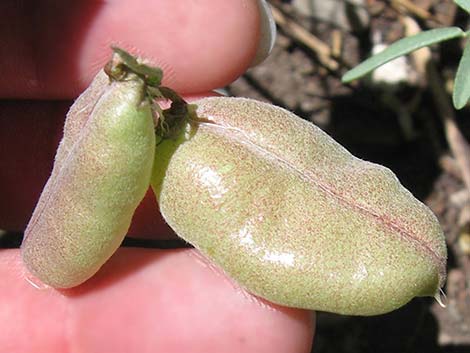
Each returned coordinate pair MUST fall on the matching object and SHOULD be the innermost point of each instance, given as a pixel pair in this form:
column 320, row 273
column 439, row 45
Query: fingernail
column 267, row 33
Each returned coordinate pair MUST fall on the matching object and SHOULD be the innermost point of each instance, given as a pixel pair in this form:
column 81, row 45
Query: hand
column 142, row 300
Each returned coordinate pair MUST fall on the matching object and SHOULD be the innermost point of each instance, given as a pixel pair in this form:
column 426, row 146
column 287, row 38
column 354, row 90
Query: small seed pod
column 101, row 173
column 294, row 217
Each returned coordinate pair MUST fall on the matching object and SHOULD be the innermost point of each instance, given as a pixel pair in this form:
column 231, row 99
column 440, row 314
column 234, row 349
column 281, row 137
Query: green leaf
column 402, row 47
column 464, row 4
column 461, row 92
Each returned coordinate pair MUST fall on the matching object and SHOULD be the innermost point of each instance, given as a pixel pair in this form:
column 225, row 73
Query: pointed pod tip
column 441, row 298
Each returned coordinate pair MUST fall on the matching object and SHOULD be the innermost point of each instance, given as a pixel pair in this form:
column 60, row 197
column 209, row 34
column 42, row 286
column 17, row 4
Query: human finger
column 56, row 48
column 145, row 301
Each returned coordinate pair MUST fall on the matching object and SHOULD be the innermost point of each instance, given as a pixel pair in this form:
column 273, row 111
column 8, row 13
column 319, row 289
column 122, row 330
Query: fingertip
column 145, row 300
column 199, row 45
column 163, row 292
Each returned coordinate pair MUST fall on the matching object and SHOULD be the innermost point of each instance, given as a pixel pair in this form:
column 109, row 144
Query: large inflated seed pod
column 101, row 173
column 294, row 217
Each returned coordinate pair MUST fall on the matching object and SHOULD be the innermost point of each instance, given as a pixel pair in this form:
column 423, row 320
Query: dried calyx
column 168, row 122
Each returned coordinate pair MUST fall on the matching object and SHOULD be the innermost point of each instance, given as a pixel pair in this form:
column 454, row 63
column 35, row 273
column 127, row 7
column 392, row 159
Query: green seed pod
column 294, row 217
column 77, row 116
column 101, row 173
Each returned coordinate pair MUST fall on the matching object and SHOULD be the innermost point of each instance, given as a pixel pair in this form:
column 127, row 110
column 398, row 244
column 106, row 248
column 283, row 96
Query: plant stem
column 457, row 142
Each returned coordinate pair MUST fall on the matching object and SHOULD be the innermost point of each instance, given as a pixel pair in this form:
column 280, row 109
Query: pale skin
column 143, row 300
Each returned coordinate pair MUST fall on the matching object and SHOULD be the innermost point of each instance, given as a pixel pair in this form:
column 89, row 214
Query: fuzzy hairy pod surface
column 101, row 173
column 292, row 216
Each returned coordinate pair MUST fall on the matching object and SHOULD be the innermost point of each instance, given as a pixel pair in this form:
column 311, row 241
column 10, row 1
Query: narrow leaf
column 461, row 92
column 464, row 4
column 402, row 47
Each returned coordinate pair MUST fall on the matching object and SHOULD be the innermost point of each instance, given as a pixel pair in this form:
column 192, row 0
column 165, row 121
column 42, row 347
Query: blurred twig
column 427, row 69
column 300, row 34
column 411, row 8
column 450, row 165
column 458, row 144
